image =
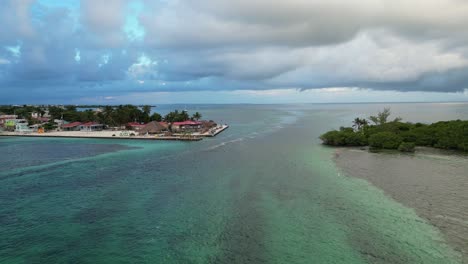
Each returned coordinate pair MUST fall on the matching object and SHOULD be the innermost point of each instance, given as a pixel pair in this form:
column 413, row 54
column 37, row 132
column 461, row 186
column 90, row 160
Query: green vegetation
column 407, row 147
column 382, row 134
column 385, row 140
column 123, row 114
column 181, row 116
column 196, row 116
column 156, row 117
column 177, row 116
column 22, row 112
column 107, row 115
column 344, row 137
column 50, row 125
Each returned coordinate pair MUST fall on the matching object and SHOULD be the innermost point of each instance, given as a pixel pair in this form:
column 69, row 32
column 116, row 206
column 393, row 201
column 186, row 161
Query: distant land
column 122, row 121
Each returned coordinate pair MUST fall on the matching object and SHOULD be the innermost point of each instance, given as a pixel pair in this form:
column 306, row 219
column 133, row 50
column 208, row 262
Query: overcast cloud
column 106, row 48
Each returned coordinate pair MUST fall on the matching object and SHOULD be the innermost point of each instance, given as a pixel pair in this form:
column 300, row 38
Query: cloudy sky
column 224, row 51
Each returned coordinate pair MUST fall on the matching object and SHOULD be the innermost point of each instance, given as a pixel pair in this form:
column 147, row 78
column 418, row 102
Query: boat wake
column 224, row 143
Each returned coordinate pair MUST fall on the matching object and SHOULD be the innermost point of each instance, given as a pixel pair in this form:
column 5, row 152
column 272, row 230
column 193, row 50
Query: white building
column 23, row 127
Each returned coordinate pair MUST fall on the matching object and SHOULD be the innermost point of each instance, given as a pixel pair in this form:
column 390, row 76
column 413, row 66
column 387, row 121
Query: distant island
column 122, row 121
column 380, row 133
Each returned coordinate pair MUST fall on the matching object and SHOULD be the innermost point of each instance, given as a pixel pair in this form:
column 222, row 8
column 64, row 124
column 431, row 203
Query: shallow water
column 432, row 182
column 264, row 191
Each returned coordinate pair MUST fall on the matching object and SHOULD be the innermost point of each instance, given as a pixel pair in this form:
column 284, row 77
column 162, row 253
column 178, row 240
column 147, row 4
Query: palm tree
column 196, row 116
column 382, row 117
column 184, row 116
column 146, row 109
column 108, row 113
column 146, row 113
column 156, row 117
column 359, row 123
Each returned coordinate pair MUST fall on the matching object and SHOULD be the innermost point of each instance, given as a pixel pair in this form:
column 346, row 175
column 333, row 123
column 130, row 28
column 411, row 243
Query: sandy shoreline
column 431, row 182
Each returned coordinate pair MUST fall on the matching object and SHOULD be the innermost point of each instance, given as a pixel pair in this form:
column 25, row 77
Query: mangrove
column 378, row 132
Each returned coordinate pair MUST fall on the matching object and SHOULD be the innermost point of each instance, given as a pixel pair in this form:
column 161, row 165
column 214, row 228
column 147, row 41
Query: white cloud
column 105, row 20
column 16, row 21
column 368, row 58
column 4, row 61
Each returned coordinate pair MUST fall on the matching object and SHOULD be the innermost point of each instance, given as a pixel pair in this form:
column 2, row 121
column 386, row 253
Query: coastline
column 431, row 182
column 115, row 135
column 106, row 137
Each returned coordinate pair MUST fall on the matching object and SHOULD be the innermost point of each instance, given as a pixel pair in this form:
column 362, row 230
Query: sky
column 224, row 51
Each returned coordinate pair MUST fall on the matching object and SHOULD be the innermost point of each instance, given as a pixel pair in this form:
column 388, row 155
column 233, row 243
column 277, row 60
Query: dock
column 217, row 131
column 213, row 133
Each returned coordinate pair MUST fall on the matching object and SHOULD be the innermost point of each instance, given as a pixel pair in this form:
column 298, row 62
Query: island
column 378, row 133
column 122, row 121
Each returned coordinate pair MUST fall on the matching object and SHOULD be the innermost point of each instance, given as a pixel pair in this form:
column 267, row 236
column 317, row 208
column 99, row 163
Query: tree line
column 121, row 115
column 107, row 115
column 380, row 133
column 23, row 112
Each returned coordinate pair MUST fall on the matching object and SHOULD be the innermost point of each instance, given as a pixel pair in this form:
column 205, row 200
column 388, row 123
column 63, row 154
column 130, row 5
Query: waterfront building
column 153, row 127
column 91, row 126
column 134, row 126
column 186, row 126
column 22, row 127
column 75, row 126
column 4, row 118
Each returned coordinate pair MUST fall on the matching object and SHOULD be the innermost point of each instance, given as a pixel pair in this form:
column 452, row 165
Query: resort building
column 165, row 125
column 134, row 126
column 208, row 125
column 35, row 127
column 22, row 127
column 10, row 124
column 4, row 118
column 186, row 126
column 154, row 127
column 75, row 126
column 42, row 119
column 91, row 126
column 59, row 122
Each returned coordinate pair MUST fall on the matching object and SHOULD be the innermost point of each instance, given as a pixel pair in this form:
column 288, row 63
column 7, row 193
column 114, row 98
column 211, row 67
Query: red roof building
column 88, row 124
column 164, row 124
column 43, row 119
column 186, row 126
column 91, row 126
column 72, row 125
column 134, row 126
column 187, row 123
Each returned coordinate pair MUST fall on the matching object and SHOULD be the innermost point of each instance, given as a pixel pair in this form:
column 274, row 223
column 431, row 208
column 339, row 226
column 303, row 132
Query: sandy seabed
column 432, row 182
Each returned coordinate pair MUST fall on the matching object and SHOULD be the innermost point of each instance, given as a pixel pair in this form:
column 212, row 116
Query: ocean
column 263, row 191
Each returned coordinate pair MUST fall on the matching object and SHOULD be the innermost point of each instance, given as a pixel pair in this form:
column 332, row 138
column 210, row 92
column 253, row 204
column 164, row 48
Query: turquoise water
column 264, row 191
